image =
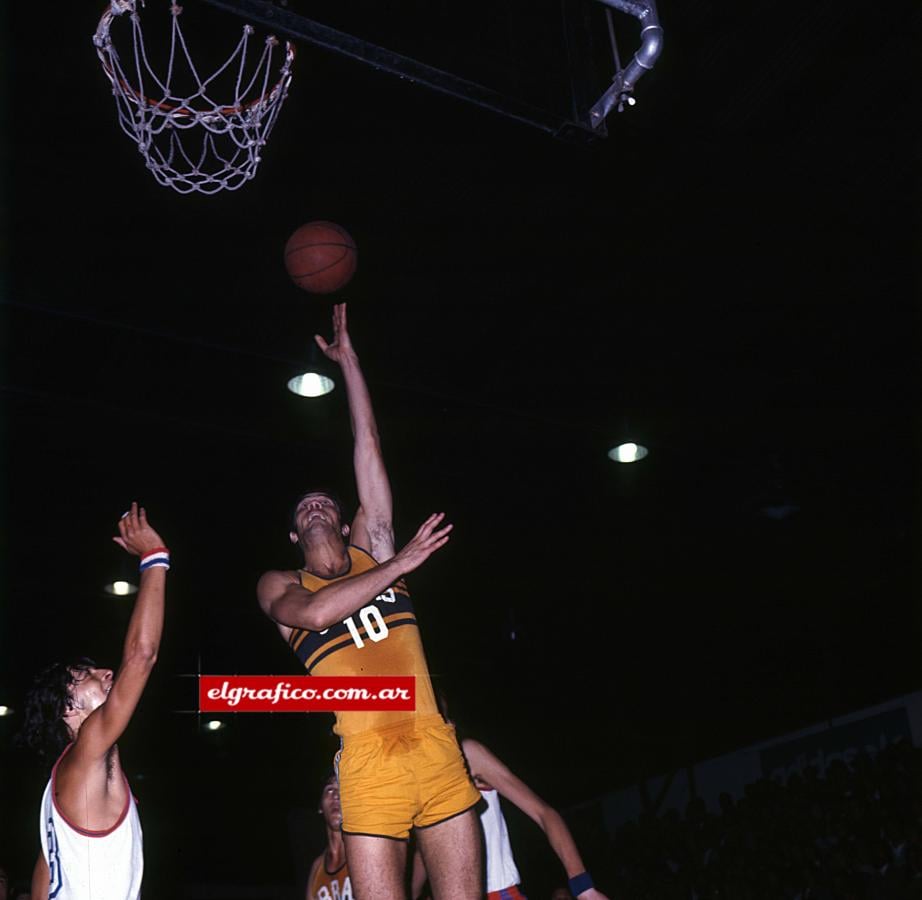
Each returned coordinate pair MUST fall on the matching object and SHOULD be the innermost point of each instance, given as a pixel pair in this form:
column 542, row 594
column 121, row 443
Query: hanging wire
column 614, row 43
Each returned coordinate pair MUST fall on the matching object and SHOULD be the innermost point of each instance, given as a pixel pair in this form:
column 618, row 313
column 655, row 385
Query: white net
column 190, row 141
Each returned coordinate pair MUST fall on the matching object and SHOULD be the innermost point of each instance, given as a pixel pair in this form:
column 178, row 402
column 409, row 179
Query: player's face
column 329, row 805
column 317, row 511
column 91, row 687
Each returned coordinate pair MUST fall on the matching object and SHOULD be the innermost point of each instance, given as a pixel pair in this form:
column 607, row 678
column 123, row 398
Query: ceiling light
column 317, row 377
column 5, row 711
column 627, row 453
column 213, row 725
column 121, row 588
column 311, row 384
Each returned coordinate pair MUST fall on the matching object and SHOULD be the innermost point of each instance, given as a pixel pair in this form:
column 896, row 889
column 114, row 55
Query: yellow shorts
column 408, row 775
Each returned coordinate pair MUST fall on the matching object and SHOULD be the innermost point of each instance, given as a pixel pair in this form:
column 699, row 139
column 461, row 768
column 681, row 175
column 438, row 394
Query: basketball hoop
column 189, row 141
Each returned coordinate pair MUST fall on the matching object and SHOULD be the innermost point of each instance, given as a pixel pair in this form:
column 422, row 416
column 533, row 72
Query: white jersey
column 91, row 865
column 501, row 870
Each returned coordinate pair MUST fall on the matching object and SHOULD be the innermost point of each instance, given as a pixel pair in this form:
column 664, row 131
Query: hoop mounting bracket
column 621, row 91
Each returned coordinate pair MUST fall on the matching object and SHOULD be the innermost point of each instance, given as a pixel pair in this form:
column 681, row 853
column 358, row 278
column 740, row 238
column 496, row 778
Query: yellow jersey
column 330, row 885
column 381, row 638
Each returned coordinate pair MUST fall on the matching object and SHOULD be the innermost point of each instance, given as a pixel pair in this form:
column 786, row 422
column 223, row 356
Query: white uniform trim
column 501, row 869
column 91, row 865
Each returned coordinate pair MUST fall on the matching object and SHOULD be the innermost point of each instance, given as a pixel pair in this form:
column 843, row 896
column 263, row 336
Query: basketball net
column 189, row 141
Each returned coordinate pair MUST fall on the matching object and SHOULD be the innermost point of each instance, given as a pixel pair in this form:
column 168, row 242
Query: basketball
column 321, row 257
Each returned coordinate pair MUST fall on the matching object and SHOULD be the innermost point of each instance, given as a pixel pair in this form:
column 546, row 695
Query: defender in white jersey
column 104, row 865
column 494, row 780
column 89, row 826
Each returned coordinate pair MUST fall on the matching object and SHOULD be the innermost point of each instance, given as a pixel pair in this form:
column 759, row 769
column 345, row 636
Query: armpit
column 382, row 535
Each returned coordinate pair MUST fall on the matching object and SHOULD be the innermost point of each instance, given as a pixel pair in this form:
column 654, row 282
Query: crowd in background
column 853, row 834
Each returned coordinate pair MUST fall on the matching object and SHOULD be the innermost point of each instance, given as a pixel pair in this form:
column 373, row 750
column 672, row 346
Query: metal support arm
column 622, row 86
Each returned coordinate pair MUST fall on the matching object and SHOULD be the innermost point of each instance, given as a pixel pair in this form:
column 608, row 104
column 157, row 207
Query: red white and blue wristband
column 159, row 556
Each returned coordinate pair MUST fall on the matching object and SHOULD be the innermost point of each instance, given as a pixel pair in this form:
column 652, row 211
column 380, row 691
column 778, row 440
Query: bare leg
column 452, row 854
column 376, row 867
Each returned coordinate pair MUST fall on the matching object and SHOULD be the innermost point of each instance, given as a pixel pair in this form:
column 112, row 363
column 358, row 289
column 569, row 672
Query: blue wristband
column 580, row 883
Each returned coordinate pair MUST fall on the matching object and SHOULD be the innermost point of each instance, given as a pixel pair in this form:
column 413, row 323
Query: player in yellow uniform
column 329, row 875
column 348, row 612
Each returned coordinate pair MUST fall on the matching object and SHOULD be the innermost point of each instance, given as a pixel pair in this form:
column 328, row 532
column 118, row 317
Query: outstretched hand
column 341, row 345
column 424, row 543
column 135, row 534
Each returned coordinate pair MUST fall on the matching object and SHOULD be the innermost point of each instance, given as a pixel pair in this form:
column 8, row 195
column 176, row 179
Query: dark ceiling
column 730, row 277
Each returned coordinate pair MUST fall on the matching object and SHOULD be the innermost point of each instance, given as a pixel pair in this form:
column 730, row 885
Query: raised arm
column 484, row 764
column 373, row 526
column 284, row 600
column 104, row 726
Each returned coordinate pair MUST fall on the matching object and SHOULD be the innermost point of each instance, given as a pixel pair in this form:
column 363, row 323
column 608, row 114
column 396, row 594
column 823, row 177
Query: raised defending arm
column 487, row 766
column 105, row 725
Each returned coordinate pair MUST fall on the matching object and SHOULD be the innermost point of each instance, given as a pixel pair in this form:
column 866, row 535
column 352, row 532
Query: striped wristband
column 580, row 883
column 159, row 556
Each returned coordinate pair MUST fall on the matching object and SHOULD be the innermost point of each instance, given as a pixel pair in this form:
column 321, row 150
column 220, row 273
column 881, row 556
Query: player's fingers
column 426, row 529
column 438, row 535
column 120, row 542
column 423, row 528
column 321, row 343
column 142, row 517
column 443, row 531
column 441, row 542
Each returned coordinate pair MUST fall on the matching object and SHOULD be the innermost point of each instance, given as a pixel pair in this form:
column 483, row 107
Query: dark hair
column 292, row 524
column 49, row 698
column 330, row 778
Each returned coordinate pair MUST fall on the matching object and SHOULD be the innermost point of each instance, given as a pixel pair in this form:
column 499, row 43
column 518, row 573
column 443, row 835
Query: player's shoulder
column 361, row 552
column 272, row 584
column 279, row 577
column 311, row 875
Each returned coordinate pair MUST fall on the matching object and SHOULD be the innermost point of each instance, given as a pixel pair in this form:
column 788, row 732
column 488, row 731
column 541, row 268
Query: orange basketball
column 321, row 257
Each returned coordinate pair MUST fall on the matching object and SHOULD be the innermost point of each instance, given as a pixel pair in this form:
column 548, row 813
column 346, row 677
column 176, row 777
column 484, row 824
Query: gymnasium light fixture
column 628, row 452
column 120, row 588
column 316, row 380
column 310, row 384
column 123, row 581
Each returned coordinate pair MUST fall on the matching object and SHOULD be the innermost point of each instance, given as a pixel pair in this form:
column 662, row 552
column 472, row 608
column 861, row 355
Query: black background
column 729, row 278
